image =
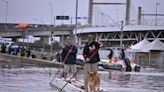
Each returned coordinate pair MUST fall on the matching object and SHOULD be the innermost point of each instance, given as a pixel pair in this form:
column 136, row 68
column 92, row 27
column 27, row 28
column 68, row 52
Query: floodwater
column 36, row 79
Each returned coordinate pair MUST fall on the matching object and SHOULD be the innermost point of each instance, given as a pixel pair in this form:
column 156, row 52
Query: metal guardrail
column 148, row 22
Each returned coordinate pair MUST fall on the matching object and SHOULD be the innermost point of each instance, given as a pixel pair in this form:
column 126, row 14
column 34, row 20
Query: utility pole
column 121, row 38
column 90, row 12
column 51, row 28
column 156, row 11
column 6, row 16
column 76, row 15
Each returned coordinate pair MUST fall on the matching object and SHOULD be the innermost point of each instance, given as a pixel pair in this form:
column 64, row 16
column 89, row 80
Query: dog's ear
column 94, row 73
column 90, row 74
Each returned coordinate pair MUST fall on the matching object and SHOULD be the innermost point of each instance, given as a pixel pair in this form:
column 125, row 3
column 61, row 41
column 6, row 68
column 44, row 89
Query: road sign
column 62, row 17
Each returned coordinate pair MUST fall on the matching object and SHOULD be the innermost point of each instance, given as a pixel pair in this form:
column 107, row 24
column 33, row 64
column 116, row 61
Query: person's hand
column 62, row 65
column 87, row 59
column 101, row 45
column 70, row 51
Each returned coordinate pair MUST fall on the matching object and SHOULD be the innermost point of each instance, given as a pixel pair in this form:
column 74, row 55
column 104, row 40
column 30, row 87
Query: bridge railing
column 150, row 22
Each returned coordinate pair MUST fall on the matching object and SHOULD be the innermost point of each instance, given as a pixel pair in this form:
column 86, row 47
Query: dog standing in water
column 94, row 81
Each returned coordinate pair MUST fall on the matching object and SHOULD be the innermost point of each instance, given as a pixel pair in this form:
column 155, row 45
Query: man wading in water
column 69, row 58
column 91, row 56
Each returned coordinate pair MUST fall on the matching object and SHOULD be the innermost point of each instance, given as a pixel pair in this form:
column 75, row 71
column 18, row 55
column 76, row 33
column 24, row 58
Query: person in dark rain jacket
column 91, row 56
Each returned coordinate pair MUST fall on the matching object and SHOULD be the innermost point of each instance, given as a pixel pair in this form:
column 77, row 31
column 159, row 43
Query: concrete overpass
column 9, row 30
column 43, row 31
column 36, row 31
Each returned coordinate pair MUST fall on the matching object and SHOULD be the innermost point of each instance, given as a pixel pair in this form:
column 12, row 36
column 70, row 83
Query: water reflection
column 116, row 75
column 144, row 81
column 14, row 64
column 24, row 80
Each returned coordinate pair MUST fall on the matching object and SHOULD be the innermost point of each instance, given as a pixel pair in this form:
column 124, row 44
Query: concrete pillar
column 61, row 42
column 90, row 12
column 80, row 41
column 139, row 16
column 127, row 16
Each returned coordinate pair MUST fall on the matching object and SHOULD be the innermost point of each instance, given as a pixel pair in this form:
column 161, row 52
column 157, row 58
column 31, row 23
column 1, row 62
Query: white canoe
column 73, row 86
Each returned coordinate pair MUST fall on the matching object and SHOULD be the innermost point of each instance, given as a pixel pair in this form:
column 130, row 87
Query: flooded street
column 148, row 80
column 35, row 79
column 24, row 80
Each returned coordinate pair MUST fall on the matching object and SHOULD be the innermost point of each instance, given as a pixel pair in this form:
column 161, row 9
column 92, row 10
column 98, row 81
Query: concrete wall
column 25, row 61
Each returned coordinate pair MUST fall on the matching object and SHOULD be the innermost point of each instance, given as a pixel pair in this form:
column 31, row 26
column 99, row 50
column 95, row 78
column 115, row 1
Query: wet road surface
column 35, row 79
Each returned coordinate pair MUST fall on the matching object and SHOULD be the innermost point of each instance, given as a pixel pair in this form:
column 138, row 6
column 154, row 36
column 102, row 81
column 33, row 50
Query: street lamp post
column 110, row 18
column 51, row 7
column 156, row 11
column 143, row 18
column 121, row 28
column 6, row 10
column 76, row 15
column 121, row 34
column 38, row 20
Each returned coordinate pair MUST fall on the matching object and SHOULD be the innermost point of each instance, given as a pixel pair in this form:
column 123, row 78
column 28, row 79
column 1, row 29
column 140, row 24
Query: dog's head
column 94, row 79
column 92, row 75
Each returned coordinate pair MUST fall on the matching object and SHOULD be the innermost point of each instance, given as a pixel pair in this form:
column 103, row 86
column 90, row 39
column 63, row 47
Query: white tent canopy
column 155, row 45
column 140, row 46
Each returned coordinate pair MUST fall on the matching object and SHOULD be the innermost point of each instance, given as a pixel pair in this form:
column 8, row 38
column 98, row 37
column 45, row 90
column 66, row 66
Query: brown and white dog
column 94, row 81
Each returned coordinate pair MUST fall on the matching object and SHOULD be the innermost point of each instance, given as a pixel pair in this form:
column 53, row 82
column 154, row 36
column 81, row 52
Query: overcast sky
column 24, row 11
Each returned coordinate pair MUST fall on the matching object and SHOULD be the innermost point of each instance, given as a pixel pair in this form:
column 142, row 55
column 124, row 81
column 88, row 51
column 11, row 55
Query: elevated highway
column 9, row 30
column 44, row 31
